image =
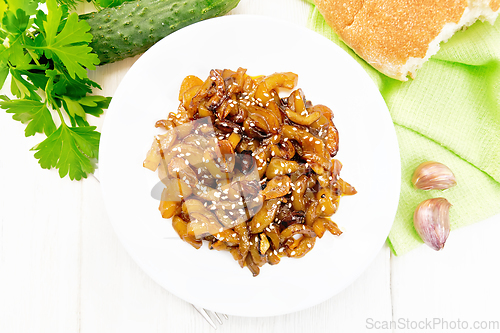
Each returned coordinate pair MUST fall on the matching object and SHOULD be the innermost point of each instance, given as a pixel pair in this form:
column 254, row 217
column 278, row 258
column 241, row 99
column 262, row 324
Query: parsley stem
column 33, row 56
column 60, row 116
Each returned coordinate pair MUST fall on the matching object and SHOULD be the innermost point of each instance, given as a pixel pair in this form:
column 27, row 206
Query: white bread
column 398, row 36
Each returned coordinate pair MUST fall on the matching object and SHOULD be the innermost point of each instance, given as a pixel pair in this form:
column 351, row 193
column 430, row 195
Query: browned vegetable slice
column 218, row 245
column 165, row 124
column 242, row 231
column 263, row 244
column 347, row 189
column 296, row 102
column 311, row 213
column 272, row 257
column 189, row 82
column 296, row 229
column 264, row 217
column 273, row 233
column 277, row 187
column 169, row 208
column 301, row 119
column 252, row 266
column 228, row 236
column 181, row 228
column 279, row 167
column 258, row 258
column 306, row 244
column 327, row 202
column 161, row 144
column 332, row 140
column 332, row 227
column 175, row 190
column 319, row 227
column 299, row 189
column 287, row 80
column 235, row 252
column 179, row 168
column 226, row 157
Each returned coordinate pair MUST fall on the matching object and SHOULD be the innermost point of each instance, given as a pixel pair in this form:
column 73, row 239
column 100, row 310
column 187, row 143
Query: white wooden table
column 63, row 270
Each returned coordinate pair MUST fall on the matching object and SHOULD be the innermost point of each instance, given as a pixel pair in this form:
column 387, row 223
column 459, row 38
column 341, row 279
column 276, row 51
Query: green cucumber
column 133, row 27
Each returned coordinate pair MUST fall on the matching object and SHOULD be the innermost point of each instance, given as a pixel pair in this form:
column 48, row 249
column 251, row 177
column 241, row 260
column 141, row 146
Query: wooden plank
column 39, row 240
column 458, row 283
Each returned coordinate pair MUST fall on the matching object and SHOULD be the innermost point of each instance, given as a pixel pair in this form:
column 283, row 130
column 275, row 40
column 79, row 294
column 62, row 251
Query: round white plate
column 327, row 75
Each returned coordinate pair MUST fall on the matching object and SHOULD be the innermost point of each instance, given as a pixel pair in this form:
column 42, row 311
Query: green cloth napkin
column 451, row 114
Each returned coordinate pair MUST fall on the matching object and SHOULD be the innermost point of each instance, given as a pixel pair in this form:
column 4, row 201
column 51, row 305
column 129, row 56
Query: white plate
column 327, row 75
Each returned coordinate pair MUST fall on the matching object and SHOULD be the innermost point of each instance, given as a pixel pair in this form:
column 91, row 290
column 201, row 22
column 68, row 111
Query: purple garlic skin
column 432, row 222
column 433, row 176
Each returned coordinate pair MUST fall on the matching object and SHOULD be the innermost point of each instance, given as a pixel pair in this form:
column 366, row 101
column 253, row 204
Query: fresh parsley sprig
column 47, row 56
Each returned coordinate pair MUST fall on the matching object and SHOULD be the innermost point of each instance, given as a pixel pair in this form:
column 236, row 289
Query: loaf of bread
column 398, row 36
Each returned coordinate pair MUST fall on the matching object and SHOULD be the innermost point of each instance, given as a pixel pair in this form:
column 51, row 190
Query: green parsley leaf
column 28, row 6
column 73, row 87
column 4, row 71
column 110, row 3
column 50, row 53
column 70, row 149
column 64, row 45
column 73, row 107
column 16, row 23
column 34, row 113
column 22, row 88
column 3, row 8
column 94, row 105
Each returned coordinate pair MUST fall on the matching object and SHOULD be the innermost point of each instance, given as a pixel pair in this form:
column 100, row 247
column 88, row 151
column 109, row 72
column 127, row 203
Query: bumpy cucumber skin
column 133, row 27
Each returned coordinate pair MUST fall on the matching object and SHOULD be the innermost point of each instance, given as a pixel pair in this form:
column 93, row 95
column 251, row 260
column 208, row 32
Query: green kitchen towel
column 451, row 114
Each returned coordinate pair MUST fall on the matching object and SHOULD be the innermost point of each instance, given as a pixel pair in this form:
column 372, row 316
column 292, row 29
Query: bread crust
column 495, row 5
column 389, row 33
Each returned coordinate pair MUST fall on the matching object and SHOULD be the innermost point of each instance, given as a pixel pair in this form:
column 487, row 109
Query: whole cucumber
column 133, row 27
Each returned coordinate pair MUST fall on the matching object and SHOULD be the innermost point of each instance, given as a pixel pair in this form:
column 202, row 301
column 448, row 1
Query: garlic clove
column 432, row 222
column 433, row 176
